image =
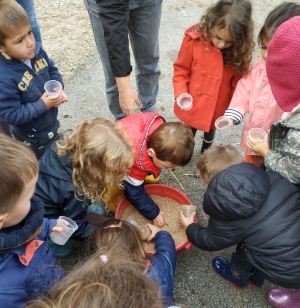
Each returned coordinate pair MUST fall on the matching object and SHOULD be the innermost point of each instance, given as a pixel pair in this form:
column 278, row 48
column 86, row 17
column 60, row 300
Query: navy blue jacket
column 260, row 209
column 163, row 264
column 28, row 270
column 55, row 188
column 21, row 89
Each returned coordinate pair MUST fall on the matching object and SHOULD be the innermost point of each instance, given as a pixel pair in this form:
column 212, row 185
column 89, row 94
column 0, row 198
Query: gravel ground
column 196, row 284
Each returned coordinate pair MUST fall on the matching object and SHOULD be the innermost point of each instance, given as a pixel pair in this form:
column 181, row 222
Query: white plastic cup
column 258, row 134
column 185, row 101
column 68, row 228
column 132, row 221
column 187, row 210
column 53, row 87
column 145, row 231
column 222, row 124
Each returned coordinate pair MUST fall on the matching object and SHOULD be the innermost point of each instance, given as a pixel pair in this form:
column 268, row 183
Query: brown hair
column 235, row 16
column 12, row 18
column 173, row 142
column 100, row 154
column 18, row 166
column 103, row 281
column 216, row 159
column 119, row 236
column 275, row 18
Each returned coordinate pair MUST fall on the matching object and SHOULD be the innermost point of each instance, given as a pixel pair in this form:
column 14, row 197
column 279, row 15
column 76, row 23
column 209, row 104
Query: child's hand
column 56, row 229
column 64, row 96
column 231, row 122
column 53, row 101
column 185, row 222
column 261, row 148
column 154, row 230
column 159, row 220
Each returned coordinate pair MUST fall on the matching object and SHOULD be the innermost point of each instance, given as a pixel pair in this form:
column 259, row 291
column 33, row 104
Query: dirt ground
column 66, row 33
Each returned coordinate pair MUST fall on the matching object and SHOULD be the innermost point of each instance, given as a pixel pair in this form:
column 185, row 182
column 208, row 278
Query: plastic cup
column 164, row 216
column 53, row 87
column 258, row 134
column 185, row 101
column 132, row 221
column 187, row 210
column 223, row 126
column 145, row 231
column 68, row 228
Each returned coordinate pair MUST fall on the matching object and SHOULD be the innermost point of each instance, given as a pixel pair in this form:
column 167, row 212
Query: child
column 106, row 281
column 123, row 239
column 26, row 263
column 213, row 56
column 74, row 171
column 158, row 145
column 24, row 69
column 253, row 93
column 283, row 152
column 256, row 210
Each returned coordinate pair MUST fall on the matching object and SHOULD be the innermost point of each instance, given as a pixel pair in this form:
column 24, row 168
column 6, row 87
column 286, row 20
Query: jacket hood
column 237, row 192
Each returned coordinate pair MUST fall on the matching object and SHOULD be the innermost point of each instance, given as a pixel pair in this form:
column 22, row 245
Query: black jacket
column 260, row 209
column 55, row 188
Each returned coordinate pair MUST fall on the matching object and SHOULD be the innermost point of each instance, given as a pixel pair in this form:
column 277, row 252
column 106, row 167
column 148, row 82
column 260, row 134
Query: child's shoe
column 95, row 208
column 205, row 145
column 231, row 272
column 280, row 298
column 256, row 280
column 60, row 251
column 150, row 179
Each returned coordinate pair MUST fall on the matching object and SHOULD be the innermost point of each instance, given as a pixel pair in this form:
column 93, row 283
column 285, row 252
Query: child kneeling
column 256, row 210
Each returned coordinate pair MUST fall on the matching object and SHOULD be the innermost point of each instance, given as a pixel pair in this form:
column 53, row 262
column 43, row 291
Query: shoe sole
column 234, row 285
column 253, row 285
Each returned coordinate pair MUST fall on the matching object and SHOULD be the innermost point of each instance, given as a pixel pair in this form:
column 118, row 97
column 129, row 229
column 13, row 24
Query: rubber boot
column 280, row 298
column 205, row 145
column 256, row 280
column 229, row 271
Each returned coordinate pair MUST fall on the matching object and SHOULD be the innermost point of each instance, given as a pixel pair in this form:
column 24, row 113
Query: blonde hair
column 18, row 167
column 103, row 281
column 100, row 154
column 12, row 18
column 173, row 142
column 216, row 159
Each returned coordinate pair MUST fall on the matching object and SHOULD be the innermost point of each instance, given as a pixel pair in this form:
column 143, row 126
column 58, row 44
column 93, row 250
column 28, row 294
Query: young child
column 213, row 56
column 26, row 264
column 106, row 281
column 245, row 205
column 282, row 152
column 123, row 239
column 158, row 145
column 73, row 172
column 24, row 69
column 253, row 93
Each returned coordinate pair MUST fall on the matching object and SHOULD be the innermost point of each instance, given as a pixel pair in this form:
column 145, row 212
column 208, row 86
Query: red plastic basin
column 163, row 191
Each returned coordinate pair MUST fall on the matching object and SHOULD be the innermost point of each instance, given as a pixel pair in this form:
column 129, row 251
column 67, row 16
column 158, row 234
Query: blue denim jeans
column 144, row 22
column 28, row 6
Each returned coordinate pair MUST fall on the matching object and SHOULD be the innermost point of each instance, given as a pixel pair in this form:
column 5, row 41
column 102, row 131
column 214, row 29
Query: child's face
column 220, row 38
column 20, row 44
column 22, row 206
column 264, row 48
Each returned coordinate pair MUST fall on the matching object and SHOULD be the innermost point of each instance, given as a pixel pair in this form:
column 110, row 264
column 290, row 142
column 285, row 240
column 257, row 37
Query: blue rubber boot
column 231, row 272
column 60, row 251
column 95, row 208
column 256, row 280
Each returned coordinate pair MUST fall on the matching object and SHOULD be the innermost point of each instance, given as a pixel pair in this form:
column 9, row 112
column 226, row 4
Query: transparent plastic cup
column 132, row 221
column 223, row 126
column 258, row 134
column 187, row 210
column 145, row 231
column 53, row 87
column 68, row 228
column 164, row 215
column 185, row 101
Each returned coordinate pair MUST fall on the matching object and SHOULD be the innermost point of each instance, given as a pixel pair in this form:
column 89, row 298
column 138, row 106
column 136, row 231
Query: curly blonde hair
column 100, row 154
column 235, row 16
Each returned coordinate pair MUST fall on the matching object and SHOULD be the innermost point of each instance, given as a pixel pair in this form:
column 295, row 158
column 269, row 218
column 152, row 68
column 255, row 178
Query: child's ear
column 2, row 49
column 2, row 219
column 151, row 152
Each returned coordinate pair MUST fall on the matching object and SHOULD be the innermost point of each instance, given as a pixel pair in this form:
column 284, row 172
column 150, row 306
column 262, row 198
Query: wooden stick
column 176, row 179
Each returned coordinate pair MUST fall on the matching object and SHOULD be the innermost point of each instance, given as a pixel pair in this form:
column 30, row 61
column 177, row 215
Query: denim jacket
column 21, row 88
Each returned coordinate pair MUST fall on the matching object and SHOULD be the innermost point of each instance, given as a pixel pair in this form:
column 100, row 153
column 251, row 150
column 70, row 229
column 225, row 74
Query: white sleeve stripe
column 133, row 181
column 234, row 114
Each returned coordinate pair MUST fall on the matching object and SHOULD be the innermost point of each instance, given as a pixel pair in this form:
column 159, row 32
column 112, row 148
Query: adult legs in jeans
column 144, row 21
column 28, row 6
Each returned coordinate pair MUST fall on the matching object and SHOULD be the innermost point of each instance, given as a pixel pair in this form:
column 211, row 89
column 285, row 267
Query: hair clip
column 119, row 225
column 104, row 258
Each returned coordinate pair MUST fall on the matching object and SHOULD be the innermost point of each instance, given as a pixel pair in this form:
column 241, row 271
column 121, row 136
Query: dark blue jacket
column 28, row 270
column 55, row 188
column 21, row 89
column 163, row 264
column 260, row 209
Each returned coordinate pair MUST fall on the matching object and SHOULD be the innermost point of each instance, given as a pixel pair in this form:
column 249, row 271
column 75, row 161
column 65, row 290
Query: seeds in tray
column 172, row 209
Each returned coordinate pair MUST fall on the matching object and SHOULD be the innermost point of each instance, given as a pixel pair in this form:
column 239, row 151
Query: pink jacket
column 253, row 95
